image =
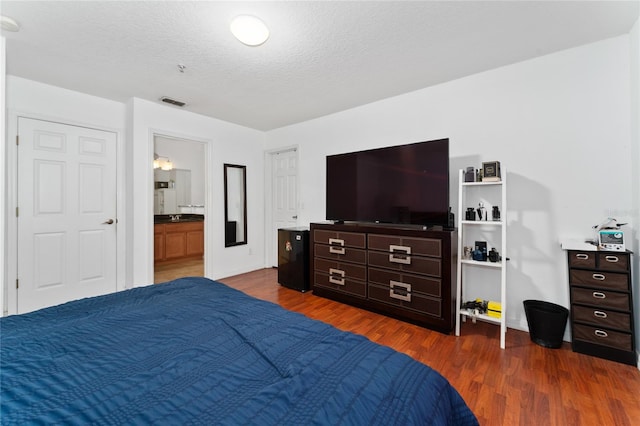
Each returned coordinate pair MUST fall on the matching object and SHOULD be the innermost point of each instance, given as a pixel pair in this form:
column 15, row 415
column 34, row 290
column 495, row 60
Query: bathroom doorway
column 179, row 196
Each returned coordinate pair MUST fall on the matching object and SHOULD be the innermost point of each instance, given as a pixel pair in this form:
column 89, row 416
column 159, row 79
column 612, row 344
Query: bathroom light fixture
column 163, row 163
column 9, row 24
column 249, row 30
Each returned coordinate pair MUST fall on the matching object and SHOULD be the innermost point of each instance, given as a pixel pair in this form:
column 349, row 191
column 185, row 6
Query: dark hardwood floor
column 525, row 384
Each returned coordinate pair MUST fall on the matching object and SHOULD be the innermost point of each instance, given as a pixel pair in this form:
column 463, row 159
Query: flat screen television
column 406, row 184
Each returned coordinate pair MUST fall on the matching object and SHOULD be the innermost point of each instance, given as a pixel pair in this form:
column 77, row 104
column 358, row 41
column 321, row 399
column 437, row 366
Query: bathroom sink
column 178, row 218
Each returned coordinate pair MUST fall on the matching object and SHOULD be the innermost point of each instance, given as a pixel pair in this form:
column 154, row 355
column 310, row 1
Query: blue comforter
column 194, row 351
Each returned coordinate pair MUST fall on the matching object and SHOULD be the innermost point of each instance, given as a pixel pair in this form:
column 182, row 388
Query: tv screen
column 406, row 184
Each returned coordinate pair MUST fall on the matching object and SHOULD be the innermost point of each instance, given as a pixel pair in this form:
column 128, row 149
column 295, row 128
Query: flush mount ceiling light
column 9, row 24
column 249, row 30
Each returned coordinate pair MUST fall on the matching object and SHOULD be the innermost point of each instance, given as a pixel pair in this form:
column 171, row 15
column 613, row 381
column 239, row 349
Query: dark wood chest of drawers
column 405, row 273
column 602, row 305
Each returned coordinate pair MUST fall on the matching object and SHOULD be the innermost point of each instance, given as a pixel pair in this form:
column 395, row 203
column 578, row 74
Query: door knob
column 294, row 217
column 108, row 222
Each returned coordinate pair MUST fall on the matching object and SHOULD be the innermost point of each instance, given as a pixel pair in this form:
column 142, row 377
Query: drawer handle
column 598, row 277
column 336, row 242
column 400, row 291
column 333, row 276
column 398, row 258
column 336, row 250
column 333, row 271
column 396, row 249
column 601, row 333
column 599, row 295
column 612, row 259
column 582, row 256
column 400, row 254
column 394, row 284
column 599, row 314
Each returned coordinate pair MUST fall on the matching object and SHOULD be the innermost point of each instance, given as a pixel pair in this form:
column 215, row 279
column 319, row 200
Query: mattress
column 194, row 351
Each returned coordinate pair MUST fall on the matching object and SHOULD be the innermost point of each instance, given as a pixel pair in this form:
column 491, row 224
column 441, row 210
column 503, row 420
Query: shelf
column 491, row 230
column 486, row 264
column 482, row 317
column 480, row 183
column 482, row 222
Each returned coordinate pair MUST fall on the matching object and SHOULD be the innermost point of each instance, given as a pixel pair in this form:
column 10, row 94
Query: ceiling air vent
column 172, row 101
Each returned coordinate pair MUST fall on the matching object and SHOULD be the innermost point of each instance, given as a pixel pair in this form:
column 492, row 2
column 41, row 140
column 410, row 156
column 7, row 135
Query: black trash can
column 546, row 321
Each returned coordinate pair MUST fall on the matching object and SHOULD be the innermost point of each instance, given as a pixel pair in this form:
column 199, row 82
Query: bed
column 194, row 351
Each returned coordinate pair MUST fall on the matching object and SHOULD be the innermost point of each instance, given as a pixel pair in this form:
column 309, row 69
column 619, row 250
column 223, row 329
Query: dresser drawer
column 346, row 285
column 613, row 262
column 406, row 245
column 345, row 270
column 340, row 239
column 599, row 279
column 602, row 317
column 601, row 298
column 400, row 297
column 406, row 263
column 603, row 336
column 582, row 259
column 346, row 254
column 416, row 283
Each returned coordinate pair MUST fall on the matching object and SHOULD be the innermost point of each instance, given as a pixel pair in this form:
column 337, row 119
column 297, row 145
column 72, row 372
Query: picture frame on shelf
column 491, row 171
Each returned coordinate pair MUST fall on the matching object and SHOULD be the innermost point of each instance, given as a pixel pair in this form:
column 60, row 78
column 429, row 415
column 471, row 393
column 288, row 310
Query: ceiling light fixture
column 9, row 24
column 249, row 30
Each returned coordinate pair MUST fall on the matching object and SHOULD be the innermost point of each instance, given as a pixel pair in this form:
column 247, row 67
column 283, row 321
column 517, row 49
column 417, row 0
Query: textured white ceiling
column 322, row 56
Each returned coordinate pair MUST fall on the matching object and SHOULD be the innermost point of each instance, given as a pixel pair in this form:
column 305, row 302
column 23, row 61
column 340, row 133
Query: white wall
column 635, row 143
column 3, row 143
column 39, row 99
column 558, row 123
column 228, row 143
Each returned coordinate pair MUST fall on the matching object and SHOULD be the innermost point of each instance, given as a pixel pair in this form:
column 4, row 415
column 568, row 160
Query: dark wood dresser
column 403, row 272
column 602, row 304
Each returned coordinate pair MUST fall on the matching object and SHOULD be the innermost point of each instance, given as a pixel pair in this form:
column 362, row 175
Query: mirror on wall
column 235, row 205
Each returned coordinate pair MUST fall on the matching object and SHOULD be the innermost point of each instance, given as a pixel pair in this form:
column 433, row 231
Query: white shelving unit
column 494, row 232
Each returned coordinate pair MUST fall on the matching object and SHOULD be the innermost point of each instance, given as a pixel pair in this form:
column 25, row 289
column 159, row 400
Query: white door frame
column 3, row 182
column 208, row 200
column 271, row 256
column 11, row 300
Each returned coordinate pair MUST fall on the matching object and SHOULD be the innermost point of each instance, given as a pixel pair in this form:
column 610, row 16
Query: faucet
column 174, row 218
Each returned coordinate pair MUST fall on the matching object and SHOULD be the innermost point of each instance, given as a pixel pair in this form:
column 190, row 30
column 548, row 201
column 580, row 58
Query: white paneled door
column 66, row 213
column 284, row 167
